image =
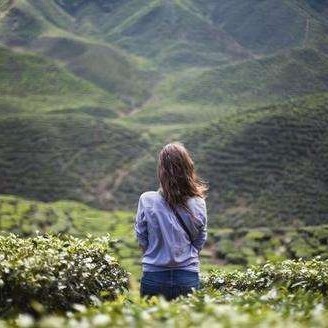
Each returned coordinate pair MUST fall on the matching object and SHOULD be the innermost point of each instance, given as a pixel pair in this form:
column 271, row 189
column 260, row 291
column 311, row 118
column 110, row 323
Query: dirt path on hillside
column 135, row 110
column 106, row 187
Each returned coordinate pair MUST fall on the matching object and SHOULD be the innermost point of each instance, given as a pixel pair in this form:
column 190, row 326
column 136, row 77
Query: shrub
column 57, row 272
column 309, row 275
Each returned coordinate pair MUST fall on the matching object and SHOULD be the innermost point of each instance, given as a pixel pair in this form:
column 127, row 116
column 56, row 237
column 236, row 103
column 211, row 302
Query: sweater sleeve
column 201, row 213
column 140, row 226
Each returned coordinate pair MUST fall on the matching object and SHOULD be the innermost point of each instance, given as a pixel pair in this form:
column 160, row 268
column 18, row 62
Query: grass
column 266, row 26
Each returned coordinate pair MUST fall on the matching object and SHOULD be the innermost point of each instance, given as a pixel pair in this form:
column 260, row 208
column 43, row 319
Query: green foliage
column 308, row 275
column 53, row 157
column 256, row 69
column 266, row 166
column 275, row 306
column 241, row 246
column 25, row 75
column 103, row 65
column 55, row 273
column 265, row 80
column 19, row 27
column 250, row 22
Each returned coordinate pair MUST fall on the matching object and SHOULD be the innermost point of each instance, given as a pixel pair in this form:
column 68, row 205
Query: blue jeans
column 170, row 283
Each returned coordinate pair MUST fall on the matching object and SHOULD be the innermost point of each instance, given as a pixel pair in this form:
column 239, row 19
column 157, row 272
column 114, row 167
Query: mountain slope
column 266, row 167
column 242, row 83
column 170, row 33
column 51, row 157
column 269, row 26
column 45, row 28
column 30, row 83
column 103, row 65
column 290, row 74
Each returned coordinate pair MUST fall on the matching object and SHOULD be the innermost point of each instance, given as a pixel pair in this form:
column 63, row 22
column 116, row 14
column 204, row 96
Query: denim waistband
column 171, row 277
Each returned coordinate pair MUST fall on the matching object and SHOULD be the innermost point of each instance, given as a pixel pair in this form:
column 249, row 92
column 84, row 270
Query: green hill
column 269, row 26
column 77, row 157
column 169, row 33
column 90, row 91
column 46, row 29
column 33, row 84
column 267, row 166
column 107, row 67
column 254, row 82
column 174, row 34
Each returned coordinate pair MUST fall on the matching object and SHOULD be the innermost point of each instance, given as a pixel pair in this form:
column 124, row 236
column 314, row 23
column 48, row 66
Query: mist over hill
column 90, row 91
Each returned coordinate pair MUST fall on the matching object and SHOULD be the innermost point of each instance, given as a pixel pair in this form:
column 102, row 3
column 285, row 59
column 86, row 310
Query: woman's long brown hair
column 177, row 176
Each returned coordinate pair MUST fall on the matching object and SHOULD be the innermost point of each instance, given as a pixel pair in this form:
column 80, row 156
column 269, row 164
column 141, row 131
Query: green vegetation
column 266, row 26
column 242, row 83
column 52, row 273
column 257, row 246
column 90, row 91
column 102, row 65
column 29, row 75
column 230, row 247
column 261, row 297
column 266, row 80
column 32, row 84
column 267, row 166
column 65, row 157
column 292, row 275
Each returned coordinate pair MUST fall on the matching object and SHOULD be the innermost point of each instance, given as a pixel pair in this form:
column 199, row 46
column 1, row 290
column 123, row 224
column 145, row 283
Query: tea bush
column 308, row 275
column 205, row 308
column 255, row 246
column 296, row 299
column 55, row 273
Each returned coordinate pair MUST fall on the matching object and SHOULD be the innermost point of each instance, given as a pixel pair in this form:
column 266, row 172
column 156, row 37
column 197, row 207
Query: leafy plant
column 308, row 275
column 54, row 273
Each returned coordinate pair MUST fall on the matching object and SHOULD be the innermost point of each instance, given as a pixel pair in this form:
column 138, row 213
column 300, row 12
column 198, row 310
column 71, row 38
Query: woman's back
column 166, row 245
column 171, row 225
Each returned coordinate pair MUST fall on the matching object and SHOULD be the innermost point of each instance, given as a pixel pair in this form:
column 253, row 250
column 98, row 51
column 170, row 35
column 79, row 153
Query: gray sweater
column 166, row 244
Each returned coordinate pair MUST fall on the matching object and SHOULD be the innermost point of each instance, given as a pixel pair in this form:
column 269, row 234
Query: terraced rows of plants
column 65, row 157
column 230, row 247
column 266, row 167
column 254, row 246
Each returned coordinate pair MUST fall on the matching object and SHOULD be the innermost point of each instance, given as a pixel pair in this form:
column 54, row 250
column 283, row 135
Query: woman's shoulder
column 149, row 194
column 197, row 200
column 149, row 197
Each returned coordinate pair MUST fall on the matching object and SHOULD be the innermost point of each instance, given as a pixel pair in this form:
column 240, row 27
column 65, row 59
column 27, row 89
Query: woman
column 171, row 226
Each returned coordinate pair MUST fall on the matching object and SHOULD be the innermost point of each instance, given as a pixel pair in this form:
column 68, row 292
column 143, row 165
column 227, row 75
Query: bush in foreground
column 55, row 273
column 206, row 308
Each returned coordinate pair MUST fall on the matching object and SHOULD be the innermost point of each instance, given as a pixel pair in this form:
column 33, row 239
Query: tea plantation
column 90, row 90
column 48, row 281
column 250, row 277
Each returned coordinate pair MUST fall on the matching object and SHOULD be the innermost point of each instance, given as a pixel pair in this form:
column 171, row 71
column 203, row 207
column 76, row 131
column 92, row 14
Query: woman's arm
column 140, row 227
column 201, row 213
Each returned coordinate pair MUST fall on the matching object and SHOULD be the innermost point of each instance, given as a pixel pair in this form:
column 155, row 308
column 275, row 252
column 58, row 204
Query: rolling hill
column 265, row 166
column 90, row 91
